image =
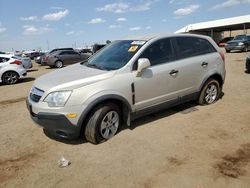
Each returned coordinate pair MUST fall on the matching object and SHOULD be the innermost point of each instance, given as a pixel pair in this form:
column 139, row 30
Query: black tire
column 205, row 96
column 59, row 64
column 245, row 49
column 10, row 78
column 227, row 51
column 93, row 128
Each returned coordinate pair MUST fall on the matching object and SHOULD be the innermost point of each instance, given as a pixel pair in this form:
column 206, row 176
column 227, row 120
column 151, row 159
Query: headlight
column 58, row 98
column 241, row 43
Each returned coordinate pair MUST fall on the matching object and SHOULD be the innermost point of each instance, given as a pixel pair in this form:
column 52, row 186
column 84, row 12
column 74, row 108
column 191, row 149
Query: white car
column 27, row 64
column 11, row 70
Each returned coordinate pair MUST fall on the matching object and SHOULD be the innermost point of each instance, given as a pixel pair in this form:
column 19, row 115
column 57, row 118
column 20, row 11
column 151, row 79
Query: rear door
column 195, row 58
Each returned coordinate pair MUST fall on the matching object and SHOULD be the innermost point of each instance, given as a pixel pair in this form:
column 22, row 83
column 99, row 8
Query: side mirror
column 143, row 63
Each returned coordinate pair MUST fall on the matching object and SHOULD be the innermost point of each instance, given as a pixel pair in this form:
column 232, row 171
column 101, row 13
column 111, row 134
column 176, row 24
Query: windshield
column 115, row 55
column 240, row 37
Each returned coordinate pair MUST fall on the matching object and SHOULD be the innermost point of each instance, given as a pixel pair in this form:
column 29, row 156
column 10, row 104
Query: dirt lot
column 187, row 146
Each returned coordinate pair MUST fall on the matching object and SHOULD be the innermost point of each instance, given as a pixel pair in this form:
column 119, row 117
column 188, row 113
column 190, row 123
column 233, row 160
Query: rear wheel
column 227, row 51
column 210, row 92
column 58, row 64
column 245, row 49
column 10, row 78
column 103, row 123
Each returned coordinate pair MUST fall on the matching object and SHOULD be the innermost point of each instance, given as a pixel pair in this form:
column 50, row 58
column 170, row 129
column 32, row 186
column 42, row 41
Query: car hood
column 71, row 77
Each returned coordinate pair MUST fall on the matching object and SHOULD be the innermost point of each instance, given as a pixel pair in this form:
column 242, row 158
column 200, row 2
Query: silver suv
column 127, row 79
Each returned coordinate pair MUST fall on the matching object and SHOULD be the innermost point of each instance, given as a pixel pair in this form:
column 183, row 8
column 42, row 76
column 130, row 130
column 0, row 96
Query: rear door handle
column 174, row 72
column 204, row 64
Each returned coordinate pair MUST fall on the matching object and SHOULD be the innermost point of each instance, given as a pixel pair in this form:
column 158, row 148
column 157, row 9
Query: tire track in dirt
column 11, row 167
column 233, row 165
column 12, row 101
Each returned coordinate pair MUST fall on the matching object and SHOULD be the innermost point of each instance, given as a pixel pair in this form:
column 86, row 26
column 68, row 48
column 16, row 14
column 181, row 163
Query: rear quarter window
column 193, row 46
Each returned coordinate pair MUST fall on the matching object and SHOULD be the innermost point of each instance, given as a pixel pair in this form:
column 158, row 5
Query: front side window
column 240, row 37
column 115, row 55
column 159, row 52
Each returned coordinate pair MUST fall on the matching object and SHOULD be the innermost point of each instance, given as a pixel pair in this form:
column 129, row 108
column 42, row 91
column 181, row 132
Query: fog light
column 71, row 115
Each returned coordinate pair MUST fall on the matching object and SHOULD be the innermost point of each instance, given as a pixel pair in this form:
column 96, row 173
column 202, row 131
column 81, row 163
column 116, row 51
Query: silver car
column 127, row 79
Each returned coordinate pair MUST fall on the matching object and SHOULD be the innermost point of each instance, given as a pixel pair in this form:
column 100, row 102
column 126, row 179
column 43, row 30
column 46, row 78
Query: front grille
column 36, row 94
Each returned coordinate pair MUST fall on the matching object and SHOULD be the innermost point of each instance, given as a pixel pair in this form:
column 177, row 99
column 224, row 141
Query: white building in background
column 216, row 28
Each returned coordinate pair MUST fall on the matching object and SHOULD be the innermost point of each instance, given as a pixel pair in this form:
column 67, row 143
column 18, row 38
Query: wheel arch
column 215, row 76
column 122, row 103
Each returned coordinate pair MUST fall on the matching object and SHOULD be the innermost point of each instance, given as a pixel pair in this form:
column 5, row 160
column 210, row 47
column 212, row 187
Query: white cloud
column 122, row 7
column 70, row 33
column 30, row 18
column 148, row 27
column 229, row 3
column 32, row 30
column 56, row 15
column 171, row 1
column 135, row 28
column 121, row 19
column 57, row 8
column 96, row 21
column 114, row 26
column 186, row 10
column 2, row 29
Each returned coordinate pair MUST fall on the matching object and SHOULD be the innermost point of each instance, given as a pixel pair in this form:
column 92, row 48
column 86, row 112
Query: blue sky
column 30, row 24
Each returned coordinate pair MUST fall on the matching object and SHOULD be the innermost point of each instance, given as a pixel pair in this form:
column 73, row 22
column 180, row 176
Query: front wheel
column 227, row 51
column 103, row 123
column 210, row 92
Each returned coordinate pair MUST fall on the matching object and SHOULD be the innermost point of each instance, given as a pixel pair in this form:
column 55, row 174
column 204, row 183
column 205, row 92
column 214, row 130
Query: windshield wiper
column 94, row 66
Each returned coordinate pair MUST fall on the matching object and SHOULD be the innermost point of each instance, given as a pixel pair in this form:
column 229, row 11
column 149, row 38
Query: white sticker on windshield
column 138, row 42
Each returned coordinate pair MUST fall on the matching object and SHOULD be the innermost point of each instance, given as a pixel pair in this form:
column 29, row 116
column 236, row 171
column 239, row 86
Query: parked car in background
column 26, row 62
column 38, row 59
column 240, row 42
column 2, row 52
column 248, row 64
column 126, row 80
column 65, row 57
column 11, row 70
column 31, row 54
column 224, row 41
column 45, row 58
column 97, row 47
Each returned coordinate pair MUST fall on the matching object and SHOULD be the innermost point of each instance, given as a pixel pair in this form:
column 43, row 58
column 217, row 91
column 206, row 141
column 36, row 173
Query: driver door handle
column 174, row 72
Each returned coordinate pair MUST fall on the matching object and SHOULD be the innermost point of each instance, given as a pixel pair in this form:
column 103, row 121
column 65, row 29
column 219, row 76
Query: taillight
column 16, row 62
column 222, row 56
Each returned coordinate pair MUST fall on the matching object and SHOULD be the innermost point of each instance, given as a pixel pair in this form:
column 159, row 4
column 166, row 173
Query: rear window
column 193, row 46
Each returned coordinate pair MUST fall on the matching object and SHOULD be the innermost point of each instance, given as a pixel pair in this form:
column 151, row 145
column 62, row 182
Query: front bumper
column 56, row 124
column 228, row 47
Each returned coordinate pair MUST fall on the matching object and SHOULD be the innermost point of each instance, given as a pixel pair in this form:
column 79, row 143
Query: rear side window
column 193, row 46
column 159, row 52
column 3, row 59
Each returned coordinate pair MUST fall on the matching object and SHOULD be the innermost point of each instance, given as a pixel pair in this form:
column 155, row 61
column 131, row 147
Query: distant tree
column 108, row 41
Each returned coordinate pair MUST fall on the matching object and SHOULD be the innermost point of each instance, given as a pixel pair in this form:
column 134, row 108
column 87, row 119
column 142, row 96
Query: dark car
column 240, row 42
column 66, row 57
column 38, row 59
column 98, row 47
column 32, row 55
column 44, row 59
column 248, row 64
column 224, row 41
